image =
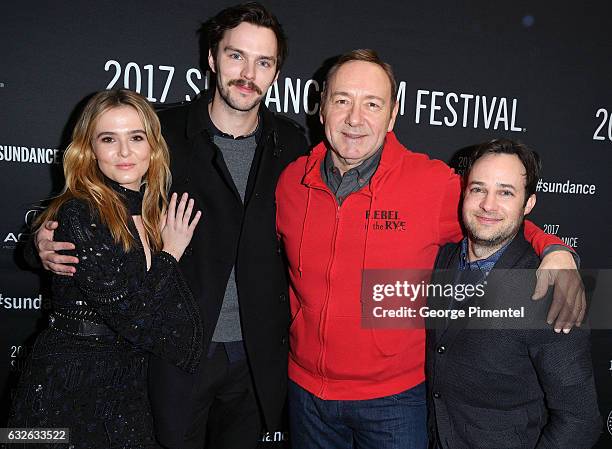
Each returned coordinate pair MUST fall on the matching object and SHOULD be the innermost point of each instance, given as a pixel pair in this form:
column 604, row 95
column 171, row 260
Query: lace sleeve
column 155, row 311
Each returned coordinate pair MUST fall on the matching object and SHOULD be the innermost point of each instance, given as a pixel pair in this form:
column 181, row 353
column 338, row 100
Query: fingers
column 568, row 305
column 59, row 263
column 575, row 302
column 583, row 308
column 544, row 278
column 51, row 225
column 62, row 259
column 171, row 211
column 45, row 232
column 575, row 290
column 180, row 210
column 163, row 220
column 180, row 224
column 188, row 212
column 60, row 268
column 553, row 312
column 50, row 245
column 195, row 221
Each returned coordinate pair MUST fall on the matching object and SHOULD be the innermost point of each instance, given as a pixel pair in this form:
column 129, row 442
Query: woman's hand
column 177, row 229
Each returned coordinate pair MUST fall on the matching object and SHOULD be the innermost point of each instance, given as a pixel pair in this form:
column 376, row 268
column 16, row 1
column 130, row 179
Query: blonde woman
column 87, row 370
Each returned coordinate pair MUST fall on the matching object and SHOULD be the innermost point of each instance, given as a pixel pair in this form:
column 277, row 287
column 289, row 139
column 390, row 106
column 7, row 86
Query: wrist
column 173, row 252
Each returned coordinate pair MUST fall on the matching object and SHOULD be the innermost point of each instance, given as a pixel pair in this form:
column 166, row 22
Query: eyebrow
column 368, row 97
column 498, row 184
column 230, row 48
column 112, row 133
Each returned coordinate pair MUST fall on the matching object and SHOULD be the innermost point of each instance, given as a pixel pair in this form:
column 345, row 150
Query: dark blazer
column 230, row 233
column 508, row 388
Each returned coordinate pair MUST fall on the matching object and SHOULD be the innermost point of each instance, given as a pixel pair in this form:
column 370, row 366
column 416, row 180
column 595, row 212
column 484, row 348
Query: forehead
column 250, row 38
column 361, row 77
column 119, row 116
column 499, row 168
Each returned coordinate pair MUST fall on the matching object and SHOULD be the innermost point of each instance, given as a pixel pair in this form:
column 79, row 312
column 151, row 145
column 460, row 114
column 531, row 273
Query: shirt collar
column 365, row 170
column 484, row 265
column 214, row 131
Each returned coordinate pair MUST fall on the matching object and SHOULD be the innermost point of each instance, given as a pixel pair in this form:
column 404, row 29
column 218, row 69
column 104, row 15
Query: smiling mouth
column 353, row 136
column 487, row 220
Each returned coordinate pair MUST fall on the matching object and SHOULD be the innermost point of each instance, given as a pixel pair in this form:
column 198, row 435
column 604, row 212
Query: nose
column 489, row 202
column 355, row 116
column 248, row 70
column 124, row 148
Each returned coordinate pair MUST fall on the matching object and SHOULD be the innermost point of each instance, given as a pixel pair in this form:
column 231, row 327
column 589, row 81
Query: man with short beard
column 507, row 381
column 361, row 200
column 227, row 150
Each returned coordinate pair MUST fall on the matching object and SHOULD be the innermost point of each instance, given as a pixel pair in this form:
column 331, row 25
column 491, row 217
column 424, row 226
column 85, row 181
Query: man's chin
column 234, row 101
column 244, row 106
column 486, row 239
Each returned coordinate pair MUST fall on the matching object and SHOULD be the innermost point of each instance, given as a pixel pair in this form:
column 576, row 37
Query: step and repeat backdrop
column 539, row 72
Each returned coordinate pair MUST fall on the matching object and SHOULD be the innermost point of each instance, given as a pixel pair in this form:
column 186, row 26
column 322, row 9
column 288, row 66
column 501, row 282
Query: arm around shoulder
column 157, row 313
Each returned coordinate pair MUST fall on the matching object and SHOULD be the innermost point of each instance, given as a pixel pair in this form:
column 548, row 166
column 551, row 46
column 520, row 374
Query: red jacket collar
column 391, row 155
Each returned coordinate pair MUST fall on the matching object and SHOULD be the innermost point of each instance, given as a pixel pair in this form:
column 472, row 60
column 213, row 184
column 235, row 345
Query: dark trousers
column 391, row 422
column 226, row 415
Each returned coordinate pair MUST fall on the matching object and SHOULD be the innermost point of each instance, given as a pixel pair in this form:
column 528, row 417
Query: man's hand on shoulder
column 47, row 251
column 568, row 306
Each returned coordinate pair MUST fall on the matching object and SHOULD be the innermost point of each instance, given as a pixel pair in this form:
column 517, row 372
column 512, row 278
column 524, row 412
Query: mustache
column 244, row 83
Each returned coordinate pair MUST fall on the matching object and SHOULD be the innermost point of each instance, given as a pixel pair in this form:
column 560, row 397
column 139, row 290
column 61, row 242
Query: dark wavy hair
column 253, row 13
column 530, row 159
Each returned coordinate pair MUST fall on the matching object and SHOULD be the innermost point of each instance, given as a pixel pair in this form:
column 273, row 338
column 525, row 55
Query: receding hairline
column 332, row 75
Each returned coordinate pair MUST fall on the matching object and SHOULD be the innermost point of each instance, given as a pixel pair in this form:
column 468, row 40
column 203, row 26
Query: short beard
column 491, row 242
column 495, row 241
column 225, row 95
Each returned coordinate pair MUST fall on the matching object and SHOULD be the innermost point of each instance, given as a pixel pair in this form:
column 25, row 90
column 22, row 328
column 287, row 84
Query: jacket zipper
column 325, row 309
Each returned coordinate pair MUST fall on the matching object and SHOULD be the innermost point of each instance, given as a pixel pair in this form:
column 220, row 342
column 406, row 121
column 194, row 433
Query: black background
column 554, row 58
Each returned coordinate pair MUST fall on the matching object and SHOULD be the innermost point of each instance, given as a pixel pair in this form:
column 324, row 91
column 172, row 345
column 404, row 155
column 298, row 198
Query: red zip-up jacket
column 328, row 246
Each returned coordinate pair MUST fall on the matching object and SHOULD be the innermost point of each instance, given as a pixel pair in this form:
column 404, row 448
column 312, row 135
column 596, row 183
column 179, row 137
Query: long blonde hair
column 85, row 181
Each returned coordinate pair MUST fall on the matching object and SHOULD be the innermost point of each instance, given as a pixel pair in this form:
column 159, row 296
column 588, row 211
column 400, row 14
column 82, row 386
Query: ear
column 211, row 62
column 393, row 117
column 321, row 110
column 531, row 201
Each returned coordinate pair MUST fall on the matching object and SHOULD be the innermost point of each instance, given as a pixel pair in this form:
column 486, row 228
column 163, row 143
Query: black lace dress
column 87, row 371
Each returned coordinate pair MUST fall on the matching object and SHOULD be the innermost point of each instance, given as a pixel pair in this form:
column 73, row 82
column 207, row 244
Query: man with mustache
column 227, row 150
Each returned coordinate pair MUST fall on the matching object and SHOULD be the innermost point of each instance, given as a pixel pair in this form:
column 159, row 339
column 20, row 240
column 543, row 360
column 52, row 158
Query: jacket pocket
column 390, row 342
column 493, row 439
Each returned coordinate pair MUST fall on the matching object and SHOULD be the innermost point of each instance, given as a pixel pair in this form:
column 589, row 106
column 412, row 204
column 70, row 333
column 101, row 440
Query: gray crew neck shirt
column 238, row 156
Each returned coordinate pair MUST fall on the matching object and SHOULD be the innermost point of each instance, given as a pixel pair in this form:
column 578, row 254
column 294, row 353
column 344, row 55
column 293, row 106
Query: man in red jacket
column 360, row 201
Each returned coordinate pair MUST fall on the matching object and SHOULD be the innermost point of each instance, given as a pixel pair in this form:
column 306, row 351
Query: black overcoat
column 230, row 233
